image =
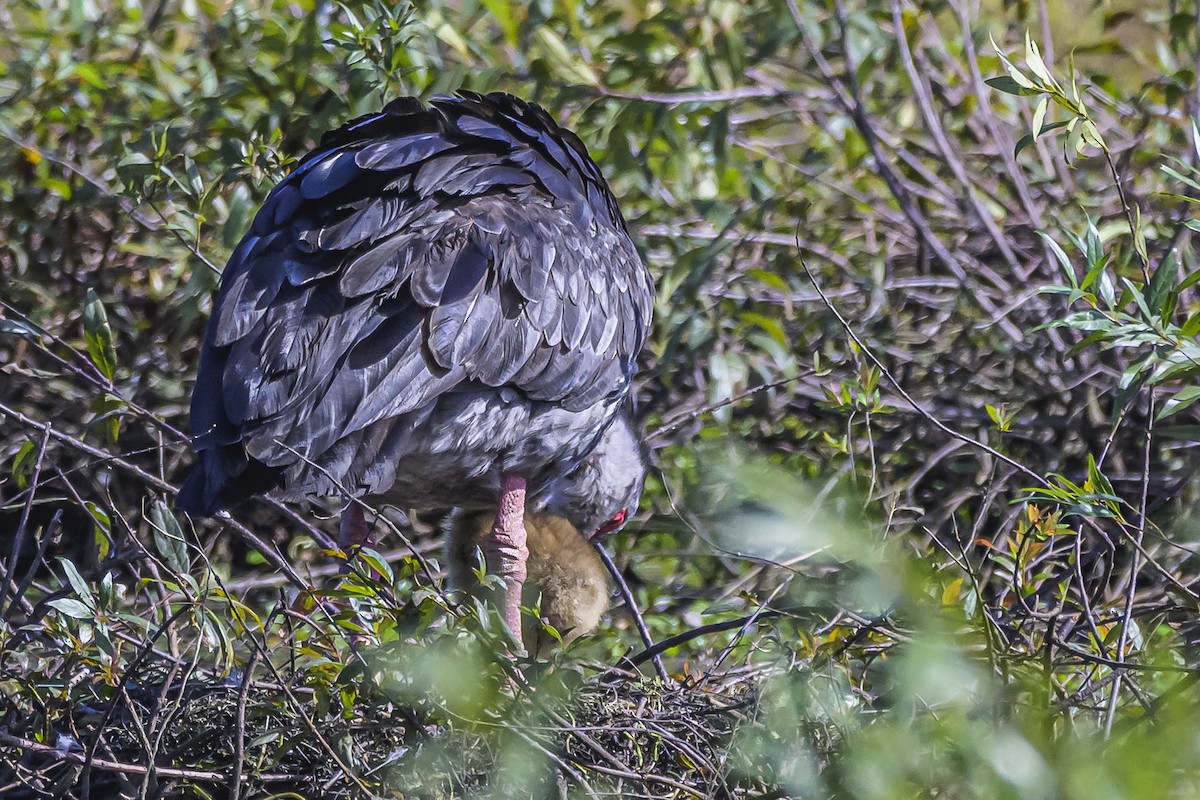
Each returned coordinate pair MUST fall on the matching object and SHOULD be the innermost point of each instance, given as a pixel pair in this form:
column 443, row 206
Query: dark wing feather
column 417, row 251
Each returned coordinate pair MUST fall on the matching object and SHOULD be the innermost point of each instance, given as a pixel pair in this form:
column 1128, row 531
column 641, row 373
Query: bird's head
column 600, row 494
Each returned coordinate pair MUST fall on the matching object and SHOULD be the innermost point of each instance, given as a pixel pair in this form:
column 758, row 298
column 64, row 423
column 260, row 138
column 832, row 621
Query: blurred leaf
column 569, row 64
column 98, row 336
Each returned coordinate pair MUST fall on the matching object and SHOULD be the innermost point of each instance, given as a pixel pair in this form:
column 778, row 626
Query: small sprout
column 1001, row 417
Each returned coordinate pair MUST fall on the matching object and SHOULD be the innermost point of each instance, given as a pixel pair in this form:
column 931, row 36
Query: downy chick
column 563, row 567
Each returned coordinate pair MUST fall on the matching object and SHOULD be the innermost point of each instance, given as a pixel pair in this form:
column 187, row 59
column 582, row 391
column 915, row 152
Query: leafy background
column 920, row 389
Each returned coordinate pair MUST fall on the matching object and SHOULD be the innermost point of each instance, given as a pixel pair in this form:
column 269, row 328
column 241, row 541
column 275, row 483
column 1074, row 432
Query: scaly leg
column 506, row 550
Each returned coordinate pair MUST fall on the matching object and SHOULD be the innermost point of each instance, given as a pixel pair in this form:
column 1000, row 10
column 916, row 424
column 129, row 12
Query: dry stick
column 713, row 627
column 618, row 769
column 19, row 589
column 629, row 775
column 98, row 184
column 106, row 385
column 126, row 206
column 239, row 734
column 154, row 481
column 702, row 97
column 684, row 417
column 19, row 539
column 967, row 439
column 870, row 354
column 96, row 452
column 850, row 98
column 754, row 617
column 358, row 501
column 1129, row 215
column 150, row 752
column 558, row 761
column 1124, row 665
column 161, row 723
column 997, row 133
column 697, row 231
column 1197, row 64
column 260, row 650
column 91, row 375
column 312, row 726
column 211, row 776
column 1134, row 569
column 18, row 599
column 631, row 604
column 934, row 126
column 89, row 759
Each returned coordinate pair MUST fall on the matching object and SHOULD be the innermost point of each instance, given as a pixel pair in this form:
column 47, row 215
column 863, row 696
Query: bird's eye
column 617, row 521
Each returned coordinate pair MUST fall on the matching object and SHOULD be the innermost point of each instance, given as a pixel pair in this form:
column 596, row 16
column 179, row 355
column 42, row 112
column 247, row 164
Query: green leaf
column 1095, row 271
column 23, row 463
column 1027, row 139
column 570, row 64
column 72, row 608
column 1093, row 243
column 1191, row 327
column 1179, row 401
column 1161, row 282
column 98, row 335
column 1005, row 84
column 1191, row 280
column 1091, row 135
column 168, row 538
column 1099, row 482
column 1033, row 60
column 91, row 75
column 1061, row 255
column 1039, row 116
column 773, row 327
column 505, row 13
column 1181, row 178
column 102, row 530
column 134, row 159
column 82, row 590
column 107, row 409
column 375, row 560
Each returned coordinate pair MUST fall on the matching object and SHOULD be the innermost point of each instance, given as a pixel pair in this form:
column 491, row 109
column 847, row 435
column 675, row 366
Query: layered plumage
column 436, row 297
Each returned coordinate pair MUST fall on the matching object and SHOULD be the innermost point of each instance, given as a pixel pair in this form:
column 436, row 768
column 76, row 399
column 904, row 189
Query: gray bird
column 440, row 307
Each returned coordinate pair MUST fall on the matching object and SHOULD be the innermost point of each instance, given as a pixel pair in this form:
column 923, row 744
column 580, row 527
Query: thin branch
column 210, row 776
column 631, row 604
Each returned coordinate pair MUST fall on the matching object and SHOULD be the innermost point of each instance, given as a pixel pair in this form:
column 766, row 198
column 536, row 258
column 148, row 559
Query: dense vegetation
column 920, row 386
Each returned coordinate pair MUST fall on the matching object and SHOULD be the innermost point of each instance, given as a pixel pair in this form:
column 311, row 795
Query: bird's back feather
column 469, row 245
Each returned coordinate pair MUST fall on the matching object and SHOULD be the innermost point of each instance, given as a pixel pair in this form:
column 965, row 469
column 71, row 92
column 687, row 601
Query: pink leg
column 506, row 551
column 353, row 529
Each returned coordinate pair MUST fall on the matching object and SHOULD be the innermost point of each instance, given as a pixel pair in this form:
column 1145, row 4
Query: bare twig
column 210, row 776
column 631, row 604
column 19, row 538
column 1134, row 568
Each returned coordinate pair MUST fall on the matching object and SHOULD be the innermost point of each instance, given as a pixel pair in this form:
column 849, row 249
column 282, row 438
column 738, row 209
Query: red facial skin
column 617, row 521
